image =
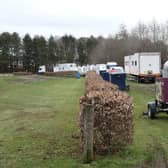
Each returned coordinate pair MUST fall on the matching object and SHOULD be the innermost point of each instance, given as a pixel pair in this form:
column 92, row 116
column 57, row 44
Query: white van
column 42, row 69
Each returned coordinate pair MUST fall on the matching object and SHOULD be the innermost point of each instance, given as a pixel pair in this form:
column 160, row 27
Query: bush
column 113, row 115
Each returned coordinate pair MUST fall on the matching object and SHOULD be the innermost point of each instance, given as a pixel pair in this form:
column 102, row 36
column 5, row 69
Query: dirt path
column 30, row 78
column 6, row 74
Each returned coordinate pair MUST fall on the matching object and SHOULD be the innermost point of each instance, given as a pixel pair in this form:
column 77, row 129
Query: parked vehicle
column 143, row 66
column 42, row 69
column 83, row 70
column 56, row 68
column 92, row 67
column 65, row 67
column 161, row 101
column 100, row 68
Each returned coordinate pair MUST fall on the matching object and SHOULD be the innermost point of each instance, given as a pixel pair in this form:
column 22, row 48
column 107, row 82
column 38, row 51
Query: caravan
column 83, row 70
column 143, row 66
column 100, row 68
column 65, row 67
column 42, row 69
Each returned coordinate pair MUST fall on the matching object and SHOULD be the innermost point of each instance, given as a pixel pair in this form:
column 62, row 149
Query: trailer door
column 127, row 64
column 149, row 64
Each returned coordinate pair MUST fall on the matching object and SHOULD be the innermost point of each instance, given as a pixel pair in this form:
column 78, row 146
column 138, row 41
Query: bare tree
column 154, row 31
column 141, row 31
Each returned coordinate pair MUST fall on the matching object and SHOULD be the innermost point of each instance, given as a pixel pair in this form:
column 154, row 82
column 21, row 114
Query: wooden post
column 88, row 133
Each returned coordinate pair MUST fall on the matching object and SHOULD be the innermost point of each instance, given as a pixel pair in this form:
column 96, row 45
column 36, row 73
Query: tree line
column 27, row 53
column 151, row 37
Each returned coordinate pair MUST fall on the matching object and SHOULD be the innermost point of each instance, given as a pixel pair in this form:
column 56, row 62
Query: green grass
column 39, row 126
column 39, row 122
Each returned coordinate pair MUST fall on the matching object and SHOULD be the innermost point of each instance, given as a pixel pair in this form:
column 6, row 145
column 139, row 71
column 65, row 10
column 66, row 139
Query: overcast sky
column 77, row 17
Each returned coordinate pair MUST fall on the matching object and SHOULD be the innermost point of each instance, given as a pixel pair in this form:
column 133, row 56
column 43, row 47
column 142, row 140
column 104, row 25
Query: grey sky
column 77, row 17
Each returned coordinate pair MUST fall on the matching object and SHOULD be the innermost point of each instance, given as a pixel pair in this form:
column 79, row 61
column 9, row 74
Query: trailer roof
column 148, row 53
column 145, row 53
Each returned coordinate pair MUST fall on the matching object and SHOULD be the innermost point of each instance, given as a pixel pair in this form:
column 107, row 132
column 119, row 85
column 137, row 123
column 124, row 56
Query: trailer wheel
column 151, row 110
column 153, row 80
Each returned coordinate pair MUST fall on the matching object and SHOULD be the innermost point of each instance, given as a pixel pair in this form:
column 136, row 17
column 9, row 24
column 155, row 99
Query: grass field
column 39, row 126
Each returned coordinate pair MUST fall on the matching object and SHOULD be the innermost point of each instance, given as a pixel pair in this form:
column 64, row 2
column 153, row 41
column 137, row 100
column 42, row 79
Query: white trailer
column 100, row 68
column 42, row 69
column 143, row 66
column 83, row 70
column 92, row 67
column 65, row 67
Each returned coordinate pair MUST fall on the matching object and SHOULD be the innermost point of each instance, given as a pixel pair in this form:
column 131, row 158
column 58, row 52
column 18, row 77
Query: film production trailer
column 143, row 66
column 100, row 68
column 42, row 69
column 65, row 67
column 83, row 70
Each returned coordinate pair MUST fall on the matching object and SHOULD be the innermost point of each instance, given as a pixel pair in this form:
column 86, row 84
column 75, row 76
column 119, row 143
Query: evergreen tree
column 5, row 54
column 90, row 45
column 82, row 51
column 28, row 61
column 15, row 48
column 60, row 52
column 39, row 52
column 42, row 46
column 69, row 45
column 36, row 53
column 52, row 51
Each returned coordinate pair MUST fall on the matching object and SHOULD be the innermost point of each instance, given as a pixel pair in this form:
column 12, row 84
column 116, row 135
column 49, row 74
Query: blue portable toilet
column 101, row 72
column 117, row 76
column 119, row 79
column 77, row 75
column 105, row 75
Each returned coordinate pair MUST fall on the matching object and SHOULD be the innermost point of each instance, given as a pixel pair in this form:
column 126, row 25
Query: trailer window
column 126, row 63
column 132, row 63
column 135, row 63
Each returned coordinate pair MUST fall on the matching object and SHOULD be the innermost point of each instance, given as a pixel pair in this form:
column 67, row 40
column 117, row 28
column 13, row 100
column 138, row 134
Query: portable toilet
column 117, row 76
column 105, row 76
column 110, row 65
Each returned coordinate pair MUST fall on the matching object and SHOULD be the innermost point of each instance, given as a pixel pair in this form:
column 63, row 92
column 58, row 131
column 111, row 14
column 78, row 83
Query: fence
column 62, row 73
